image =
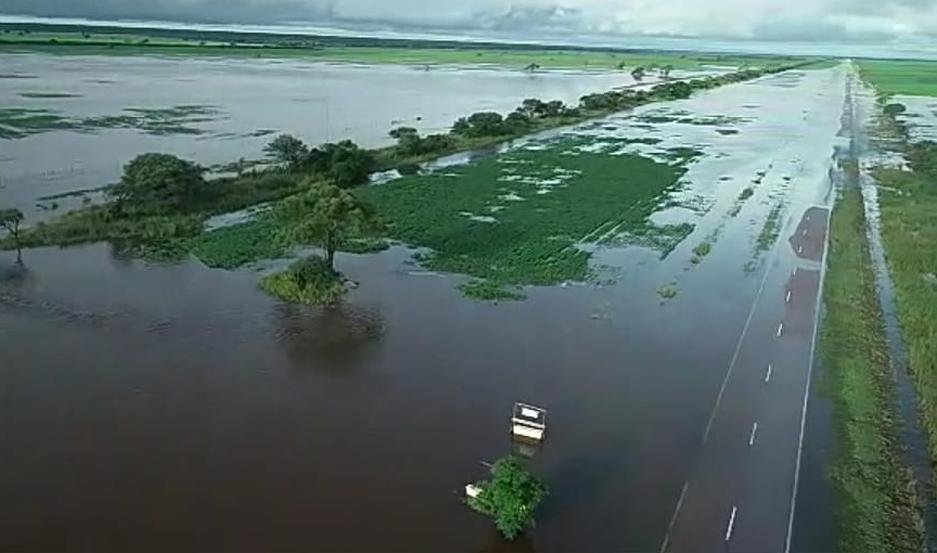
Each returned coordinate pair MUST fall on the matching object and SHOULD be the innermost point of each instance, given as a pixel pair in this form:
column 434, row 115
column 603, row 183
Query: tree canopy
column 344, row 163
column 326, row 215
column 154, row 183
column 287, row 149
column 510, row 497
column 410, row 143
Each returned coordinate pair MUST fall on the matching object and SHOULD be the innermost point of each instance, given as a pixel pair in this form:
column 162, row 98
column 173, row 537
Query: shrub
column 510, row 497
column 310, row 281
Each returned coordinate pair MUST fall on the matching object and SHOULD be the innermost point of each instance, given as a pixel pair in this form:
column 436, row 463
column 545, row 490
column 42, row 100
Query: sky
column 764, row 20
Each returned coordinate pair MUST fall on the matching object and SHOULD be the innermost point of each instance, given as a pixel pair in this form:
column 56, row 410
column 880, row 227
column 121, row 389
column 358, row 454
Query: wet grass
column 908, row 203
column 877, row 504
column 539, row 205
column 770, row 230
column 915, row 78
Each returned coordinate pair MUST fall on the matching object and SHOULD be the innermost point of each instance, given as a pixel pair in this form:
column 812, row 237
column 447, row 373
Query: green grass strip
column 877, row 505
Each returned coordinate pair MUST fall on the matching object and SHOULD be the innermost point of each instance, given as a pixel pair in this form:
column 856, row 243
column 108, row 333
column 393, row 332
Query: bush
column 510, row 497
column 310, row 281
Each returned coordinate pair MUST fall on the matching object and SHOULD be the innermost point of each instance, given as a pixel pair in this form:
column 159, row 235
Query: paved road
column 739, row 496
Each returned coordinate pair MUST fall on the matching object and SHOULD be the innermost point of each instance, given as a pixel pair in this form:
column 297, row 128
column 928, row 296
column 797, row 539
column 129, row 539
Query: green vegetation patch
column 770, row 230
column 236, row 245
column 544, row 204
column 364, row 245
column 487, row 290
column 914, row 78
column 877, row 505
column 668, row 291
column 908, row 202
column 310, row 281
column 511, row 497
column 183, row 119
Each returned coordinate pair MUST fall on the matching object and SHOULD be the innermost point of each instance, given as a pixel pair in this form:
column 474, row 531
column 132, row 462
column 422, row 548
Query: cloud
column 812, row 20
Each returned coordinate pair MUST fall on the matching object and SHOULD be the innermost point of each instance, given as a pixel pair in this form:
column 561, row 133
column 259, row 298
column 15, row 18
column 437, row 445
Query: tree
column 157, row 183
column 408, row 140
column 486, row 123
column 10, row 220
column 287, row 149
column 510, row 497
column 344, row 163
column 894, row 109
column 326, row 214
column 638, row 73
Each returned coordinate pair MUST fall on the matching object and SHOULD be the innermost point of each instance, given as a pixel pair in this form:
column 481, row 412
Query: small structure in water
column 528, row 422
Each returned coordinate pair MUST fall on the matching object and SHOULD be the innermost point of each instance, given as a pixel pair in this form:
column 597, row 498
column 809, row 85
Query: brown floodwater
column 174, row 407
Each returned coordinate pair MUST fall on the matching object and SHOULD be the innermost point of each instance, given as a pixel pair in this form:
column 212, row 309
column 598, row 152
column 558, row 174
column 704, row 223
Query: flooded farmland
column 72, row 122
column 150, row 405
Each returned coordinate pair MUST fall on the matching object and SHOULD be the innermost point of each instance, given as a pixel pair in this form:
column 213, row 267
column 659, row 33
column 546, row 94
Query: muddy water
column 176, row 407
column 318, row 102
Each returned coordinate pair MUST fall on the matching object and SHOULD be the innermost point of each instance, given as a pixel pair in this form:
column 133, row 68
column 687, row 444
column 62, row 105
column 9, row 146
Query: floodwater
column 159, row 407
column 247, row 101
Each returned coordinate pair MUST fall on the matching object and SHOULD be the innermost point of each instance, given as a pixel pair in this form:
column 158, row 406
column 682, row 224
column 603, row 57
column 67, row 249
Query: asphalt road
column 740, row 494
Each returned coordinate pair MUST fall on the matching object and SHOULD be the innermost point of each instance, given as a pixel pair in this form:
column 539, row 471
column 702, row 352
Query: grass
column 236, row 245
column 877, row 505
column 770, row 230
column 915, row 78
column 908, row 202
column 518, row 218
column 310, row 281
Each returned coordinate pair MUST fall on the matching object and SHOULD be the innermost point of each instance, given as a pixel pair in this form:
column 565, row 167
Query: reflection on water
column 340, row 336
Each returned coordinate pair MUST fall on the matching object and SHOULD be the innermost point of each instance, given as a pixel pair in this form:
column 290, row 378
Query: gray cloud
column 812, row 20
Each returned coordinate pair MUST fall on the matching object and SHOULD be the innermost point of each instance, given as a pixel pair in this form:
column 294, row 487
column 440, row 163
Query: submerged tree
column 10, row 220
column 638, row 73
column 287, row 149
column 326, row 215
column 510, row 497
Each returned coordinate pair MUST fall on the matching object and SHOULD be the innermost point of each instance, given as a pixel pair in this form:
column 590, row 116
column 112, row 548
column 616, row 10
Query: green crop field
column 915, row 78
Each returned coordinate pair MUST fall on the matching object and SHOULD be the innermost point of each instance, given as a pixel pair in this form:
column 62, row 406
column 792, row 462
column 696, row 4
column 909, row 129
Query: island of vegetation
column 510, row 498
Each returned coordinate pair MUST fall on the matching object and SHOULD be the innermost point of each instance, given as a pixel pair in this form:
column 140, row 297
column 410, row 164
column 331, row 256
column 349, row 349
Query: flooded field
column 149, row 406
column 69, row 123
